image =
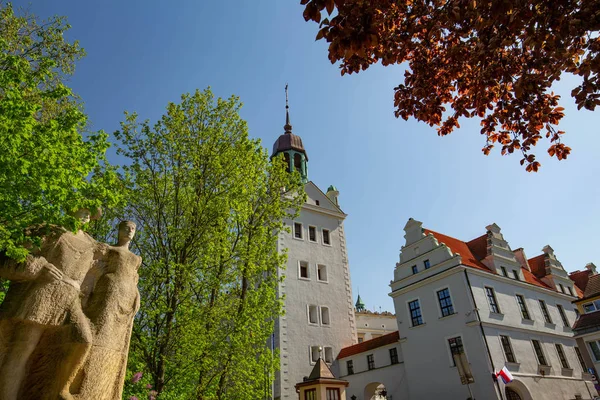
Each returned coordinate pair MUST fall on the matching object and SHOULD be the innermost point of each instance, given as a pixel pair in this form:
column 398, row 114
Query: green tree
column 209, row 205
column 47, row 167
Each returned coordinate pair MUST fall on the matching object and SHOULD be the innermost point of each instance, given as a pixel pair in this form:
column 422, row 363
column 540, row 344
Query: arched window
column 286, row 156
column 298, row 162
column 512, row 395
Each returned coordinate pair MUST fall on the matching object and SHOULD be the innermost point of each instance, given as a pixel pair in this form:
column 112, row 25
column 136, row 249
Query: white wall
column 393, row 377
column 294, row 334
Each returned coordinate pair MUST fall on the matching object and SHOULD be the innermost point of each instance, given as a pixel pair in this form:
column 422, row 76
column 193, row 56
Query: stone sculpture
column 66, row 320
column 111, row 307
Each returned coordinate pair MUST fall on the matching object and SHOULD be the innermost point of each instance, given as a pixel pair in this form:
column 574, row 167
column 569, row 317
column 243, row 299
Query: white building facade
column 479, row 304
column 318, row 315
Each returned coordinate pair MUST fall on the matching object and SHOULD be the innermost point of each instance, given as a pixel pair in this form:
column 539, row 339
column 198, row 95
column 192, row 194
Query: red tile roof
column 587, row 321
column 460, row 247
column 476, row 250
column 369, row 345
column 538, row 266
column 592, row 289
column 580, row 278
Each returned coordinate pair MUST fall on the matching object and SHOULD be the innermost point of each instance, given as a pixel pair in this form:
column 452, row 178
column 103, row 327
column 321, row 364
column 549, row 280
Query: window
column 504, row 272
column 427, row 264
column 537, row 347
column 516, row 274
column 456, row 347
column 595, row 350
column 303, row 265
column 313, row 316
column 562, row 288
column 561, row 356
column 315, row 353
column 312, row 234
column 545, row 311
column 414, row 269
column 492, row 300
column 570, row 290
column 523, row 307
column 361, row 337
column 580, row 358
column 333, row 393
column 588, row 308
column 328, row 355
column 393, row 355
column 563, row 316
column 350, row 367
column 326, row 236
column 370, row 362
column 322, row 273
column 324, row 315
column 286, row 157
column 298, row 162
column 445, row 302
column 297, row 230
column 310, row 394
column 507, row 347
column 415, row 313
column 317, row 202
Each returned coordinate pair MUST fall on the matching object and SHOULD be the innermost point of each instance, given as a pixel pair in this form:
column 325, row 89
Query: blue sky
column 144, row 54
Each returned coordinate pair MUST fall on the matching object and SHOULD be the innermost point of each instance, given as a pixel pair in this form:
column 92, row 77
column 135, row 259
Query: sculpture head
column 84, row 215
column 126, row 232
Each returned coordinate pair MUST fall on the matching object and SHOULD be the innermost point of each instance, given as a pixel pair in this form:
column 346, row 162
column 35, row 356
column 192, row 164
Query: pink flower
column 136, row 378
column 152, row 395
column 133, row 398
column 149, row 386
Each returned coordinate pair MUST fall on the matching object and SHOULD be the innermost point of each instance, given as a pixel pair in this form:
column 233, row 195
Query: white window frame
column 326, row 274
column 449, row 353
column 511, row 347
column 439, row 306
column 310, row 354
column 544, row 352
column 316, row 234
column 564, row 353
column 322, row 239
column 321, row 315
column 410, row 316
column 593, row 357
column 526, row 306
column 487, row 300
column 300, row 269
column 294, row 230
column 325, row 354
column 308, row 307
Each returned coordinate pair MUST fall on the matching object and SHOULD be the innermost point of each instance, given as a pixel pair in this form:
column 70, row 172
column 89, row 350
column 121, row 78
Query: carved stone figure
column 43, row 301
column 111, row 307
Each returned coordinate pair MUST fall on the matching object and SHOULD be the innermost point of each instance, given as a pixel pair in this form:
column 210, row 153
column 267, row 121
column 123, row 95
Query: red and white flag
column 505, row 375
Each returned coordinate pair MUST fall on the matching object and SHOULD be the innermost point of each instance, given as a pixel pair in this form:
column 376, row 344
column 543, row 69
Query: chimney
column 592, row 268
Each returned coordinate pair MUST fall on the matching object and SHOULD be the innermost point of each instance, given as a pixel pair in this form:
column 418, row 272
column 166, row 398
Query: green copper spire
column 360, row 306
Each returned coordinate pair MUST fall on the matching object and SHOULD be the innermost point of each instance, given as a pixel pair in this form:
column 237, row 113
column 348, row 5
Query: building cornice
column 425, row 280
column 520, row 283
column 566, row 335
column 325, row 211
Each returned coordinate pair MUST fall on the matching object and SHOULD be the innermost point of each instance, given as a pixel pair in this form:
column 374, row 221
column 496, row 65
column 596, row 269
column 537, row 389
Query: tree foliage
column 494, row 60
column 45, row 162
column 208, row 203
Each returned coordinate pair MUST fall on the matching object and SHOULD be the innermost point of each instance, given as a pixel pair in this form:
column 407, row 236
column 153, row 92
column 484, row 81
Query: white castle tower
column 319, row 314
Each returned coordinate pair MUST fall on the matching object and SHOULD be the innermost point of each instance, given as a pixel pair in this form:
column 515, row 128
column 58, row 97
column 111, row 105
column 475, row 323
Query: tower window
column 313, row 316
column 298, row 162
column 312, row 233
column 314, row 353
column 328, row 355
column 322, row 273
column 325, row 315
column 303, row 266
column 297, row 230
column 286, row 157
column 326, row 236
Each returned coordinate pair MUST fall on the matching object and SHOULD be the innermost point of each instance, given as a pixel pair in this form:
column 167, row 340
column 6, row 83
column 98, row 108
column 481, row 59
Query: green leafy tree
column 209, row 205
column 47, row 167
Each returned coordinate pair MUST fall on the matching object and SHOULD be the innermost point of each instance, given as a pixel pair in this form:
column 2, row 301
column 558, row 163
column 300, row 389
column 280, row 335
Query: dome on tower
column 289, row 141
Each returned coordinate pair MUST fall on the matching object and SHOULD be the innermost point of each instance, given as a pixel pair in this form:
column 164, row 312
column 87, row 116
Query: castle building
column 318, row 315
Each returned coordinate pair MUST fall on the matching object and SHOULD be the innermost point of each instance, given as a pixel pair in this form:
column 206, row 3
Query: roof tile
column 369, row 345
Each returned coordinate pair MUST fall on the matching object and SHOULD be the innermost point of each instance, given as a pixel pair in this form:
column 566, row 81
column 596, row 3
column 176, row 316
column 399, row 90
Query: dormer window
column 516, row 274
column 562, row 288
column 570, row 290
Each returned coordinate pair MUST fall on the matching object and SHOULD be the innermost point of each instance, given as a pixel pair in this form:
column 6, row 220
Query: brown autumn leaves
column 495, row 60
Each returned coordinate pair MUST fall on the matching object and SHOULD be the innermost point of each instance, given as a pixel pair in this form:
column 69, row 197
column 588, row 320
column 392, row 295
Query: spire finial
column 287, row 126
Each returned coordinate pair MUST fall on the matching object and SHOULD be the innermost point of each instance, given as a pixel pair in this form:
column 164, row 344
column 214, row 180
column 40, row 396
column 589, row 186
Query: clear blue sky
column 144, row 54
